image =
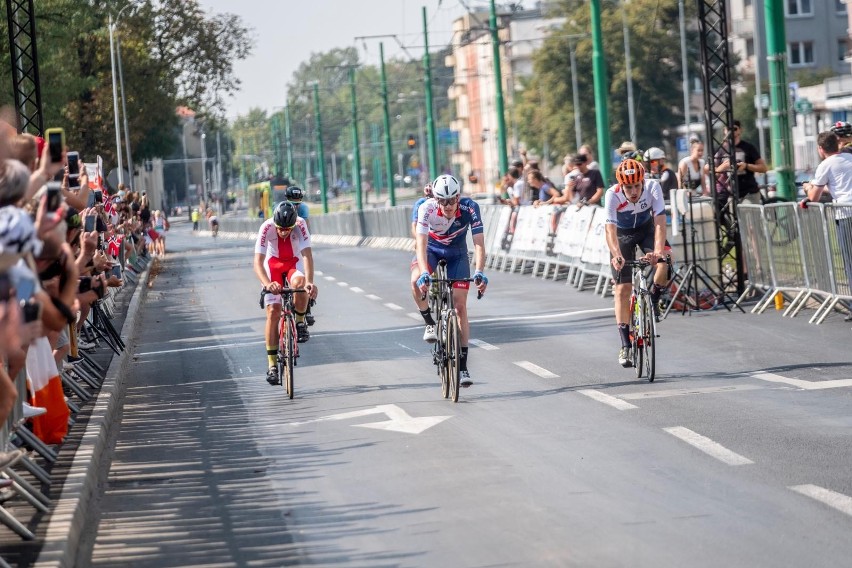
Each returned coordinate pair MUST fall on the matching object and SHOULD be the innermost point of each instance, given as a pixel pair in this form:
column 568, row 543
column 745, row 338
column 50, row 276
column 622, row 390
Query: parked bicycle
column 446, row 352
column 288, row 345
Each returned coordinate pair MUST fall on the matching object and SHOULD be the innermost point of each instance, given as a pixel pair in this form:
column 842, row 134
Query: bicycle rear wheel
column 453, row 341
column 286, row 355
column 649, row 338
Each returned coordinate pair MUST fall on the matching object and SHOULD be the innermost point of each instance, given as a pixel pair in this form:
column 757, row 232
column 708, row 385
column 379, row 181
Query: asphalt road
column 738, row 455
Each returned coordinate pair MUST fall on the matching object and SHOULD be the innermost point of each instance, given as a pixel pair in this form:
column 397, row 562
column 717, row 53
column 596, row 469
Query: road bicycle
column 446, row 351
column 288, row 345
column 643, row 323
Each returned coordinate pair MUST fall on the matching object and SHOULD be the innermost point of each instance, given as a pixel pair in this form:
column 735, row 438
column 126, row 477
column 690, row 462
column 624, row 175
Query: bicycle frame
column 643, row 327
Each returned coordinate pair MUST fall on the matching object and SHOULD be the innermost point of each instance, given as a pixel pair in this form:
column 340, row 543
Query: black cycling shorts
column 628, row 240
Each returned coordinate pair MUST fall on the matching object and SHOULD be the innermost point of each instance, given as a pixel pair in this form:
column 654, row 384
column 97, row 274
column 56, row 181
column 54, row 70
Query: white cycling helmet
column 445, row 187
column 654, row 153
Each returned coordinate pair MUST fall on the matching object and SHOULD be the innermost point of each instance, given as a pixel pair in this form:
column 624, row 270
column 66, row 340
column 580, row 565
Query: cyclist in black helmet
column 295, row 195
column 283, row 254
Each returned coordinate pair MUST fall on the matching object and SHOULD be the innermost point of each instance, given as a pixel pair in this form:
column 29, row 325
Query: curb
column 68, row 518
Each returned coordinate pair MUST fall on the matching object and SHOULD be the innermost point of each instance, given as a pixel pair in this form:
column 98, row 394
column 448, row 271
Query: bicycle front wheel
column 453, row 342
column 649, row 338
column 636, row 337
column 288, row 355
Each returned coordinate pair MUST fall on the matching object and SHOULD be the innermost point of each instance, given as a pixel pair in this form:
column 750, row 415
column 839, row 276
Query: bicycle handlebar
column 286, row 291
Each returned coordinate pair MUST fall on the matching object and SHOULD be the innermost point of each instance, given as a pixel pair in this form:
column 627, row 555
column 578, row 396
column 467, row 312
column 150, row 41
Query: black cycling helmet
column 285, row 215
column 294, row 193
column 842, row 129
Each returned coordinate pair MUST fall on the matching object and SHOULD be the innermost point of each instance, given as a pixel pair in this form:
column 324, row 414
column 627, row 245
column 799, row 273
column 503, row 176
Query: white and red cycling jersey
column 283, row 254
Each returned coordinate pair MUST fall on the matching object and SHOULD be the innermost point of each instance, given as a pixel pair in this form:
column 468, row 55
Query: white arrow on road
column 398, row 419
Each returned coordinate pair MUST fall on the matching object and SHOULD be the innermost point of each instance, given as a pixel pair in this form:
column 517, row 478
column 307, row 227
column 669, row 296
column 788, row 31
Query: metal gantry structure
column 718, row 123
column 20, row 15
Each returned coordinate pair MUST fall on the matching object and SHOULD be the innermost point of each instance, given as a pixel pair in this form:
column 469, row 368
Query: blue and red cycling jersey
column 444, row 233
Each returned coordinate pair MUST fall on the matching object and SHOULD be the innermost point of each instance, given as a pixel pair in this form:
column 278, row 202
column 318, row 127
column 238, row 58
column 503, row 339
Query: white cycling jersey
column 626, row 215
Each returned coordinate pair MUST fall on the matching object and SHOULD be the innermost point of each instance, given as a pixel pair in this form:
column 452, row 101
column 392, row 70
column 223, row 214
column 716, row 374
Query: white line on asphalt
column 330, row 278
column 317, row 272
column 357, row 290
column 482, row 345
column 802, row 384
column 343, row 284
column 372, row 297
column 545, row 316
column 839, row 501
column 708, row 446
column 684, row 392
column 612, row 401
column 408, row 348
column 200, row 348
column 415, row 316
column 393, row 306
column 536, row 370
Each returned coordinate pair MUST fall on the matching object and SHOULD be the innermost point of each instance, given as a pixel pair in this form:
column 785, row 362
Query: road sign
column 762, row 101
column 803, row 106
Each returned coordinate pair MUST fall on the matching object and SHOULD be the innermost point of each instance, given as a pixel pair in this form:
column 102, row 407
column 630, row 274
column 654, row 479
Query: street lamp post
column 204, row 169
column 111, row 24
column 124, row 109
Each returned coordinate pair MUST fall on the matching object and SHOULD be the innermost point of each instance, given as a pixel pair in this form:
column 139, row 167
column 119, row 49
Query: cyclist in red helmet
column 635, row 217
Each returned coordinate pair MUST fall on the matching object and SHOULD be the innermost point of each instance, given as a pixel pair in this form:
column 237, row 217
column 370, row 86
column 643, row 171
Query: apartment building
column 521, row 33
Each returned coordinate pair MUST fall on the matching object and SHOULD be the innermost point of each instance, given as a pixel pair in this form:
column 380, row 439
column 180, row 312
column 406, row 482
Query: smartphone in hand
column 89, row 225
column 73, row 169
column 32, row 311
column 54, row 196
column 116, row 271
column 56, row 144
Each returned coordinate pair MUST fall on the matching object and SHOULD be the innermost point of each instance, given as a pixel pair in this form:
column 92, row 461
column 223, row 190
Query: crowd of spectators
column 63, row 239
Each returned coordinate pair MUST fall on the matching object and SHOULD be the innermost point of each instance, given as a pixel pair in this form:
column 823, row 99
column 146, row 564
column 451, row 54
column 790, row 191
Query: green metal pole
column 377, row 169
column 502, row 159
column 289, row 139
column 388, row 149
column 427, row 86
column 601, row 109
column 276, row 144
column 356, row 150
column 320, row 153
column 779, row 98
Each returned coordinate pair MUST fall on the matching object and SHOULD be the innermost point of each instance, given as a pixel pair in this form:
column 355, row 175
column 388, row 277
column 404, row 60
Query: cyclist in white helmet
column 441, row 233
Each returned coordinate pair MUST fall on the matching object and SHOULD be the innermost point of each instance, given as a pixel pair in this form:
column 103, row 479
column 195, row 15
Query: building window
column 842, row 49
column 799, row 8
column 801, row 53
column 840, row 6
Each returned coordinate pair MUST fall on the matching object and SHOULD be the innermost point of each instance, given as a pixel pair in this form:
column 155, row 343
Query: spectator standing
column 194, row 216
column 586, row 150
column 690, row 170
column 834, row 174
column 588, row 185
column 747, row 163
column 658, row 169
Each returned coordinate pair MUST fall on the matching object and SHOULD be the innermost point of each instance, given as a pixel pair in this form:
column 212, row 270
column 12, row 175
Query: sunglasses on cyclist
column 450, row 201
column 284, row 229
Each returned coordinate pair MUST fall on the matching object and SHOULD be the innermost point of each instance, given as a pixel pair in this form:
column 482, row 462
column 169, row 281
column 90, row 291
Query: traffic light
column 412, row 143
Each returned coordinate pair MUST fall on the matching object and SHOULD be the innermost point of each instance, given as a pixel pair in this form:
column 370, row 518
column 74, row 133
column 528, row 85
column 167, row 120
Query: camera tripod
column 691, row 273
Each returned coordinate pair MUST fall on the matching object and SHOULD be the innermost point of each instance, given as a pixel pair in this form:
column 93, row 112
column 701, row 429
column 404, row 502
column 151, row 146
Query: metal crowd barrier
column 796, row 252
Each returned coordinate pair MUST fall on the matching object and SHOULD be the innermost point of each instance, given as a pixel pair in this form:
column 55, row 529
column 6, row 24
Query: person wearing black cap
column 587, row 186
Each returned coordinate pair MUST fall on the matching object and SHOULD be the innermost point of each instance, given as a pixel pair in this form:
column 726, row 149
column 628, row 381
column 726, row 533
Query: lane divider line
column 415, row 316
column 612, row 401
column 343, row 284
column 802, row 384
column 357, row 290
column 708, row 446
column 330, row 278
column 481, row 344
column 833, row 499
column 372, row 297
column 536, row 370
column 393, row 306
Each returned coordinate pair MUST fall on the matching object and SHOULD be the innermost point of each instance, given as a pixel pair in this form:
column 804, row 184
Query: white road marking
column 612, row 401
column 357, row 290
column 415, row 316
column 317, row 272
column 393, row 306
column 407, row 347
column 802, row 384
column 330, row 278
column 372, row 297
column 200, row 348
column 536, row 370
column 833, row 499
column 482, row 345
column 708, row 446
column 684, row 392
column 343, row 284
column 545, row 316
column 399, row 420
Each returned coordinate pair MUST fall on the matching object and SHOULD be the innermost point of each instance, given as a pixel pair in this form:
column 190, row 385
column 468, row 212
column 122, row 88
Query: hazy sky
column 286, row 32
